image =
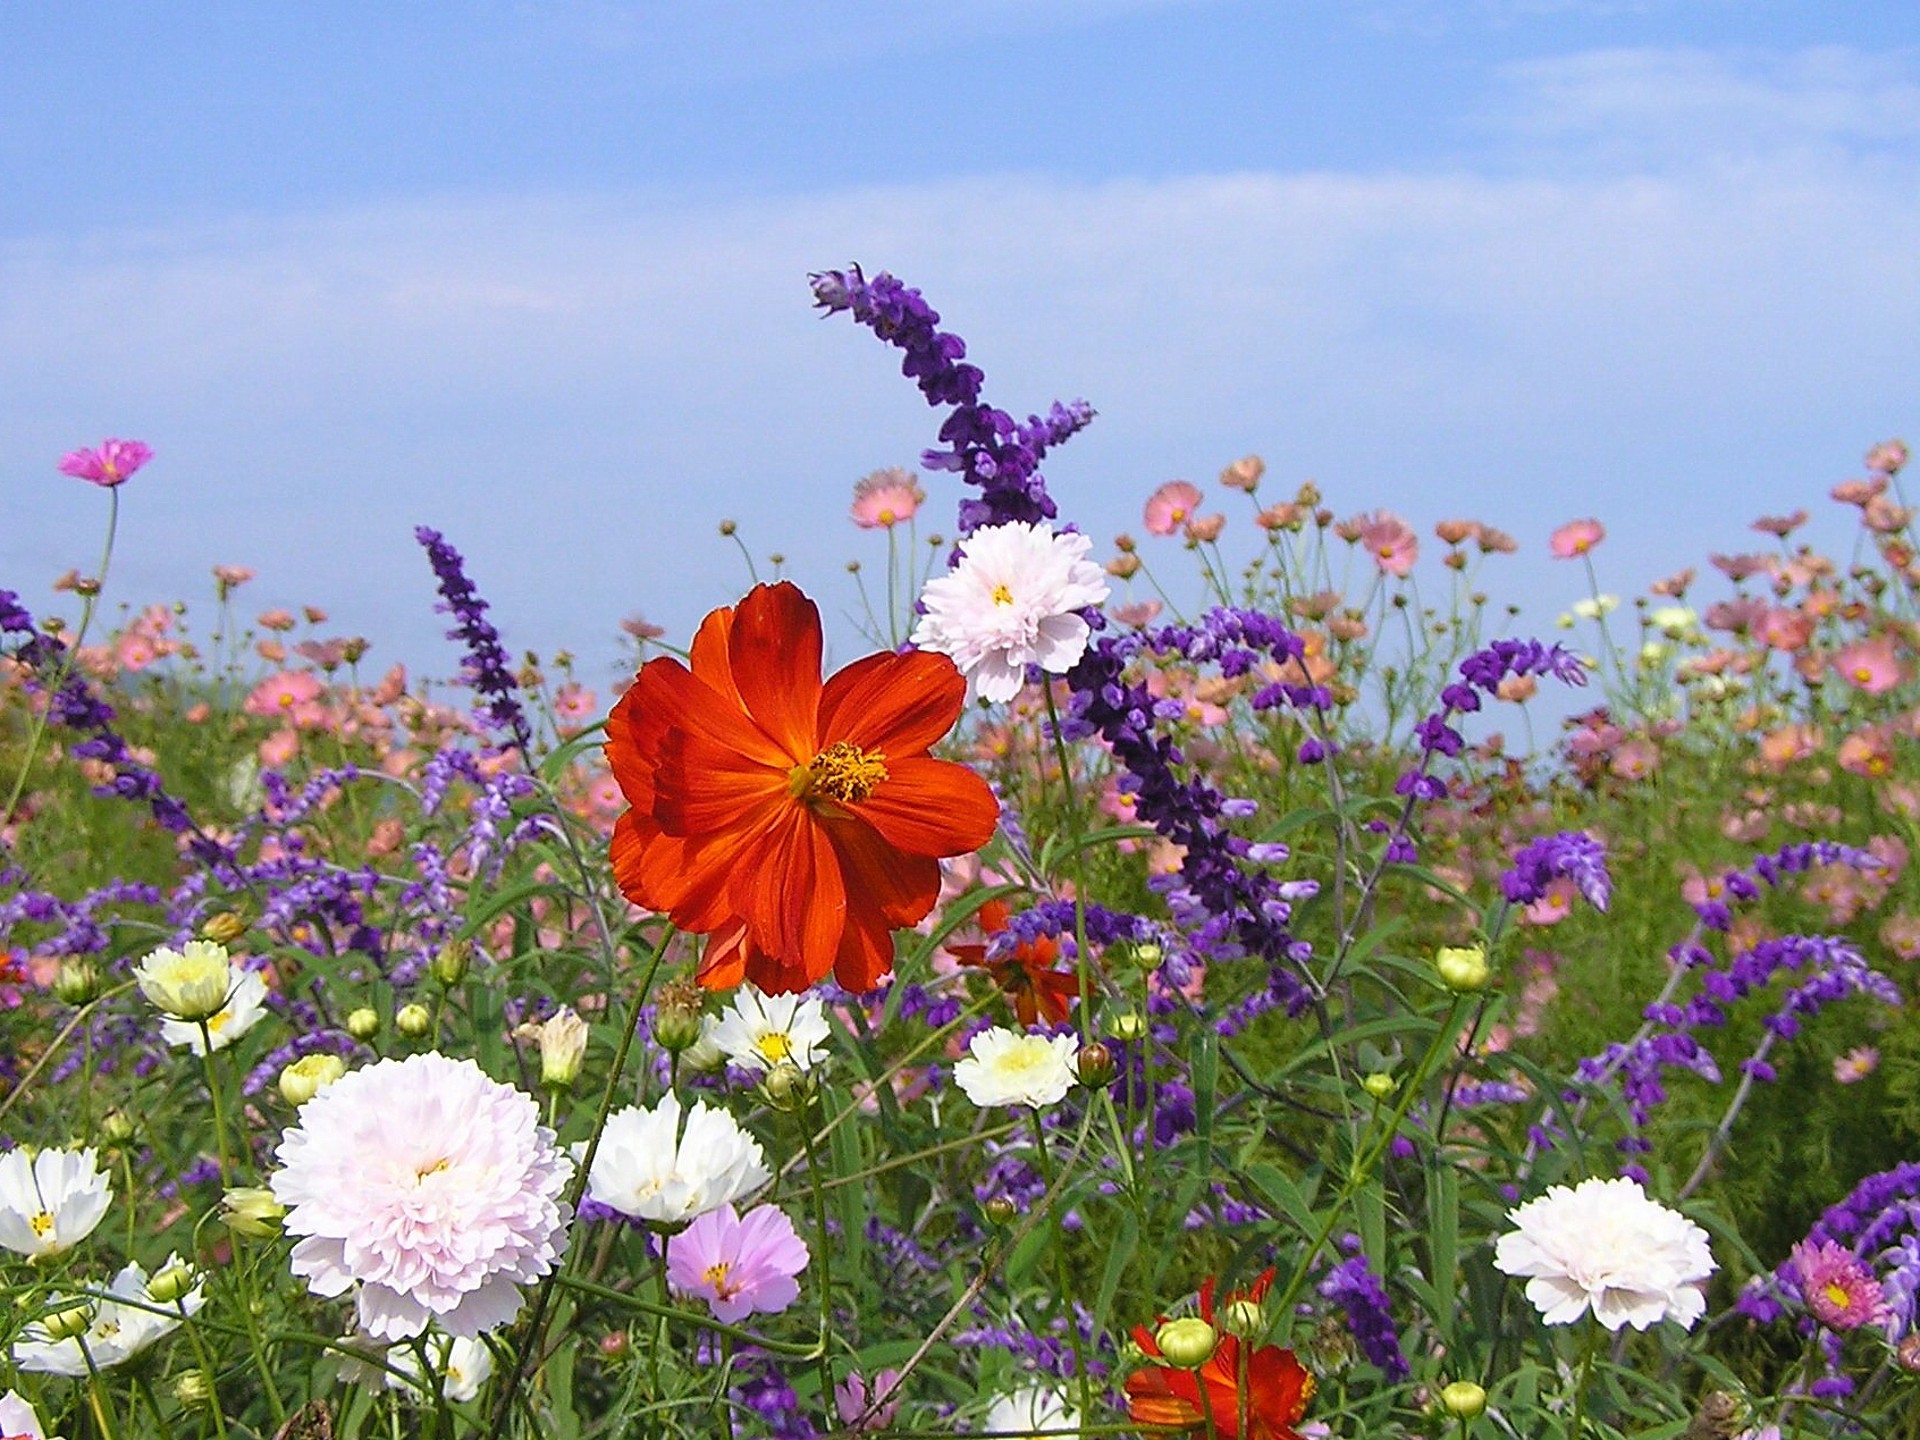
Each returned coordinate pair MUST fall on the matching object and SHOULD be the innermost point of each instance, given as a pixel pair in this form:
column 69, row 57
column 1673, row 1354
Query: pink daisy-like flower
column 1854, row 1066
column 738, row 1264
column 1838, row 1288
column 1576, row 538
column 1391, row 542
column 112, row 464
column 1171, row 507
column 1869, row 665
column 574, row 705
column 431, row 1187
column 886, row 498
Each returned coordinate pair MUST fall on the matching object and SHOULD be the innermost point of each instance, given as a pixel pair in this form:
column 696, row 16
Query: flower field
column 1095, row 1011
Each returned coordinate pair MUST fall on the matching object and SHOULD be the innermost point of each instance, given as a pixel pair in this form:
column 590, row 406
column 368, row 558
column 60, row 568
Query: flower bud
column 1131, row 1026
column 413, row 1020
column 1146, row 955
column 1463, row 968
column 309, row 1075
column 451, row 962
column 1001, row 1210
column 364, row 1023
column 223, row 929
column 727, row 527
column 562, row 1038
column 1094, row 1065
column 1379, row 1085
column 171, row 1283
column 1907, row 1354
column 1463, row 1399
column 1244, row 1317
column 191, row 1389
column 76, row 981
column 116, row 1127
column 1187, row 1343
column 787, row 1087
column 69, row 1320
column 677, row 1019
column 252, row 1212
column 615, row 1345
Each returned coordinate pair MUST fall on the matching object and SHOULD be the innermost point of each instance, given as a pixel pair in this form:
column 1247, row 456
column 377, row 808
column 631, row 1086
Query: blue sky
column 534, row 273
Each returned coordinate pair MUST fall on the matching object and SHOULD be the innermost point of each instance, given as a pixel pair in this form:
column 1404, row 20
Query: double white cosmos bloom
column 1009, row 1067
column 651, row 1167
column 1010, row 602
column 1605, row 1245
column 50, row 1200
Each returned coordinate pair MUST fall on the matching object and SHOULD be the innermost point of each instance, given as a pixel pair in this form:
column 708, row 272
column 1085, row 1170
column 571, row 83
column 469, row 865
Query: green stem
column 1592, row 1344
column 219, row 1106
column 819, row 1194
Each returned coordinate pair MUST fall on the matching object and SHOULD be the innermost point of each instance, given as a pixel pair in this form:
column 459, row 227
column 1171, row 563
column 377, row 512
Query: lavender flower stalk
column 487, row 669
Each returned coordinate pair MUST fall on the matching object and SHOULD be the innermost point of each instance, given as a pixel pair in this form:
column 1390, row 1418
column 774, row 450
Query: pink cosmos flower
column 1887, row 457
column 1839, row 1290
column 1856, row 1064
column 865, row 1406
column 112, row 464
column 574, row 706
column 1171, row 507
column 431, row 1187
column 738, row 1264
column 1576, row 538
column 283, row 694
column 886, row 498
column 1869, row 665
column 1391, row 542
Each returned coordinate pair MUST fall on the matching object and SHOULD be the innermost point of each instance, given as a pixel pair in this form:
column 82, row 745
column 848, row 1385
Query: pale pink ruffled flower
column 886, row 498
column 739, row 1264
column 112, row 464
column 1171, row 506
column 432, row 1188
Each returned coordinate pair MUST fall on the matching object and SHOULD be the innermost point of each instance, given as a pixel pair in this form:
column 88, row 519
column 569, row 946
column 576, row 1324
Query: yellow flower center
column 1002, row 595
column 775, row 1046
column 716, row 1276
column 1837, row 1295
column 842, row 772
column 42, row 1223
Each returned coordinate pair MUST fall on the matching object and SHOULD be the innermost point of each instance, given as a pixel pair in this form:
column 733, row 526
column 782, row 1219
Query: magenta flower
column 112, row 464
column 738, row 1264
column 1838, row 1288
column 867, row 1406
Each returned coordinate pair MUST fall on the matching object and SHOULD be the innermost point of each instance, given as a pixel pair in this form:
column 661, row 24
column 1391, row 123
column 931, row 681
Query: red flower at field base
column 795, row 824
column 1278, row 1386
column 1025, row 974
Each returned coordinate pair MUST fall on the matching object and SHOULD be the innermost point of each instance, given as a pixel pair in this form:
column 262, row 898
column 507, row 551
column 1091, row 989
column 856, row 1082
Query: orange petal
column 774, row 655
column 898, row 704
column 790, row 889
column 866, row 952
column 931, row 807
column 900, row 887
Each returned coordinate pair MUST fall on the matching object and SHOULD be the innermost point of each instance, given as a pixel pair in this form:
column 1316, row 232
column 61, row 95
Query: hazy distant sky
column 534, row 273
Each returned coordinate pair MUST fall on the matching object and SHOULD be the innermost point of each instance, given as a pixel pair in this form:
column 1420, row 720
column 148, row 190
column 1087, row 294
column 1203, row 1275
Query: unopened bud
column 615, row 1345
column 787, row 1087
column 1130, row 1026
column 116, row 1127
column 562, row 1038
column 1907, row 1354
column 68, row 1321
column 413, row 1020
column 309, row 1075
column 1187, row 1343
column 252, row 1212
column 86, row 585
column 1094, row 1065
column 1146, row 955
column 1245, row 1318
column 727, row 527
column 364, row 1023
column 193, row 1392
column 171, row 1283
column 1463, row 1399
column 451, row 962
column 677, row 1019
column 76, row 981
column 1463, row 968
column 1379, row 1085
column 1001, row 1210
column 224, row 928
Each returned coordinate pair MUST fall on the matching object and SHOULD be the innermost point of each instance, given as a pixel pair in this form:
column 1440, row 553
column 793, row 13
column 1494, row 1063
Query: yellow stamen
column 775, row 1046
column 842, row 772
column 716, row 1276
column 42, row 1223
column 1002, row 595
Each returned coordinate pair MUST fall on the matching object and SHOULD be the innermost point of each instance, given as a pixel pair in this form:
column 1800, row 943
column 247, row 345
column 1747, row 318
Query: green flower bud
column 224, row 928
column 1094, row 1065
column 1187, row 1343
column 1463, row 968
column 1245, row 1318
column 171, row 1283
column 1131, row 1026
column 413, row 1020
column 116, row 1127
column 1379, row 1085
column 252, row 1212
column 787, row 1087
column 69, row 1321
column 364, row 1023
column 451, row 962
column 76, row 981
column 309, row 1075
column 1463, row 1399
column 191, row 1389
column 1001, row 1210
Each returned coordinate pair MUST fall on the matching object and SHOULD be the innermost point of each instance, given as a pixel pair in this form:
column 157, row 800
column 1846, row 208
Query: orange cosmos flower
column 795, row 824
column 1277, row 1385
column 1026, row 975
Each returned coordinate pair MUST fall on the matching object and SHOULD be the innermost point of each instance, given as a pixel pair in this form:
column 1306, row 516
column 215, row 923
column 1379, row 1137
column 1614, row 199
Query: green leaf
column 1118, row 1258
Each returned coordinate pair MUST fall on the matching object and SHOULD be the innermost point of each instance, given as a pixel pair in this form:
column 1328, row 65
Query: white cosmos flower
column 1605, row 1245
column 651, row 1167
column 1009, row 603
column 245, row 1008
column 50, row 1200
column 463, row 1363
column 758, row 1031
column 1010, row 1067
column 190, row 983
column 18, row 1418
column 1033, row 1411
column 117, row 1332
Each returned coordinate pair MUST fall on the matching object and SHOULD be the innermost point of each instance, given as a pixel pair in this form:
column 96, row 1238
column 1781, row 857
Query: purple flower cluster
column 487, row 669
column 1796, row 859
column 1061, row 919
column 1570, row 853
column 985, row 446
column 1354, row 1287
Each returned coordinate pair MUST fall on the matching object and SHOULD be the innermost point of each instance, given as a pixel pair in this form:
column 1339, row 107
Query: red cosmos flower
column 1026, row 975
column 1278, row 1386
column 795, row 824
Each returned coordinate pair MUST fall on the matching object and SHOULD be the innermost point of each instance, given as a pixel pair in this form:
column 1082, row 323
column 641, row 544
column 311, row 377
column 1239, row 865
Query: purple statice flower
column 487, row 670
column 1354, row 1287
column 984, row 446
column 1571, row 853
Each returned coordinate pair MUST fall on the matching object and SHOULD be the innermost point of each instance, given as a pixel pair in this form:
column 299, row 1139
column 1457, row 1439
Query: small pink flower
column 1856, row 1064
column 574, row 706
column 112, row 464
column 231, row 577
column 1390, row 541
column 1887, row 457
column 1205, row 529
column 886, row 498
column 1838, row 1289
column 865, row 1406
column 1869, row 665
column 1576, row 538
column 282, row 694
column 738, row 1264
column 1171, row 506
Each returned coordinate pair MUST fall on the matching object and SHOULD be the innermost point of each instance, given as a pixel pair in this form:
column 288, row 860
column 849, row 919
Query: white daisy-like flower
column 246, row 1007
column 758, row 1031
column 1604, row 1245
column 1033, row 1411
column 18, row 1419
column 1008, row 603
column 50, row 1200
column 651, row 1167
column 463, row 1364
column 1011, row 1067
column 190, row 983
column 117, row 1331
column 429, row 1189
